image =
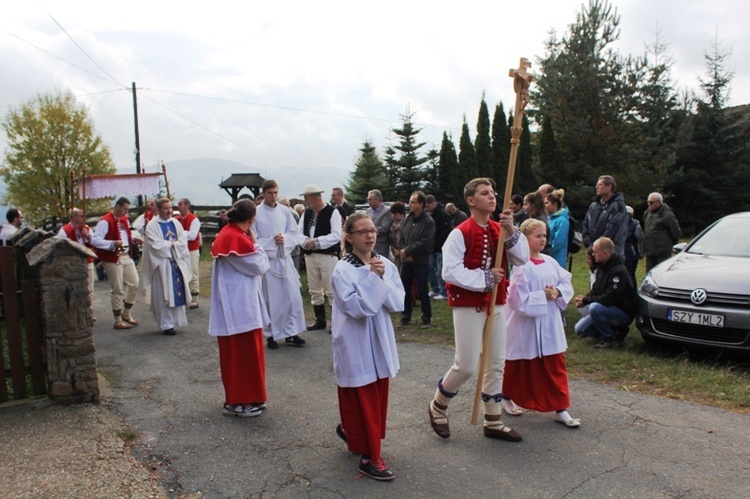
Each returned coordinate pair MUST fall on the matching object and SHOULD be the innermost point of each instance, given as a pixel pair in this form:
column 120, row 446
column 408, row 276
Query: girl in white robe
column 366, row 289
column 535, row 373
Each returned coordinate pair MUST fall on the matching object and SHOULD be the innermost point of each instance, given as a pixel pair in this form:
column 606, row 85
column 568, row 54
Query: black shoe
column 404, row 322
column 318, row 324
column 376, row 469
column 340, row 433
column 607, row 344
column 295, row 341
column 426, row 325
column 272, row 344
column 170, row 332
column 621, row 333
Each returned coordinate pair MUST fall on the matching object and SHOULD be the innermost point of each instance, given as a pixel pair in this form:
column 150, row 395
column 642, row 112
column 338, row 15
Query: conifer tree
column 368, row 174
column 450, row 177
column 390, row 165
column 409, row 162
column 500, row 144
column 483, row 144
column 432, row 174
column 525, row 178
column 467, row 160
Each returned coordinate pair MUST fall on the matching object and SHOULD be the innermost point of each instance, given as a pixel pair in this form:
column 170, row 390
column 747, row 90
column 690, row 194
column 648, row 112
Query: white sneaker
column 439, row 297
column 432, row 294
column 242, row 411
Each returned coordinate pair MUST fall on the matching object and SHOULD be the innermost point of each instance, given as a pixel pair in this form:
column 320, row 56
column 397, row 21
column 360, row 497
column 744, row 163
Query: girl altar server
column 535, row 374
column 238, row 313
column 366, row 288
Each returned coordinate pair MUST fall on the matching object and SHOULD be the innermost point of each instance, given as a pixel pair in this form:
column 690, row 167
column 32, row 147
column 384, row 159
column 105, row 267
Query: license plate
column 685, row 317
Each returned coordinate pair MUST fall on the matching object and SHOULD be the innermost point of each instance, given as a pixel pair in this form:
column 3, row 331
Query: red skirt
column 363, row 410
column 539, row 384
column 243, row 367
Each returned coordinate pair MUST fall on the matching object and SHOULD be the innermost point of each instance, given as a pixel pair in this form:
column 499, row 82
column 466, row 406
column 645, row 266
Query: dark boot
column 320, row 318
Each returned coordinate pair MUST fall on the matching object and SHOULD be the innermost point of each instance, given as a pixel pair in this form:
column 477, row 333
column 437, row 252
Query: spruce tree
column 410, row 171
column 548, row 161
column 467, row 160
column 500, row 144
column 449, row 174
column 526, row 180
column 368, row 174
column 390, row 165
column 432, row 174
column 483, row 144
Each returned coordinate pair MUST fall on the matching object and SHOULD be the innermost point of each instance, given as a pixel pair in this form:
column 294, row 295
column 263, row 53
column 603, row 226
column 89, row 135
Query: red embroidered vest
column 113, row 234
column 481, row 244
column 71, row 233
column 186, row 222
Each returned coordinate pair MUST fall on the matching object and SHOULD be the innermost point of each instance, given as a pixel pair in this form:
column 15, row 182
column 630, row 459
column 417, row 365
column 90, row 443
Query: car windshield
column 729, row 237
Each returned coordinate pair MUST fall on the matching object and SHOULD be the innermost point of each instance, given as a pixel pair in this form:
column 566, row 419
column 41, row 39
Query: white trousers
column 468, row 325
column 123, row 279
column 194, row 284
column 319, row 273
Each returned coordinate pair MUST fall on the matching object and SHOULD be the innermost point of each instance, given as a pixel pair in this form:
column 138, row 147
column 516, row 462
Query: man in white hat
column 321, row 227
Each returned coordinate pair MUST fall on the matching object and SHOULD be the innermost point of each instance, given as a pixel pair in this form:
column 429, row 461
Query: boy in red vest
column 77, row 230
column 470, row 272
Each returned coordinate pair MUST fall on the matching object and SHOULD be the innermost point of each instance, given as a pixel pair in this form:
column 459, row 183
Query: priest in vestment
column 165, row 271
column 278, row 235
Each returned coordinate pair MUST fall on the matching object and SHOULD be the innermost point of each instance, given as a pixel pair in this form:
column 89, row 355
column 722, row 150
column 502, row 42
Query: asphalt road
column 169, row 390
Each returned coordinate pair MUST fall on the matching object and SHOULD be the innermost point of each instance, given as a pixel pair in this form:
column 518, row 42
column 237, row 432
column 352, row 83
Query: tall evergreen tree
column 715, row 163
column 525, row 178
column 432, row 174
column 483, row 143
column 450, row 174
column 467, row 159
column 548, row 160
column 368, row 174
column 588, row 90
column 409, row 162
column 500, row 144
column 390, row 164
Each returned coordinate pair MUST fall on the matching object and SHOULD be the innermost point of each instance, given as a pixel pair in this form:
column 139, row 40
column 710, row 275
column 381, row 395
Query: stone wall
column 67, row 320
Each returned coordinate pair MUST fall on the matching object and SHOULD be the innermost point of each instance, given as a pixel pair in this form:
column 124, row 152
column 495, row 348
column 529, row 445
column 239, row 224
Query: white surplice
column 534, row 325
column 156, row 285
column 364, row 344
column 281, row 284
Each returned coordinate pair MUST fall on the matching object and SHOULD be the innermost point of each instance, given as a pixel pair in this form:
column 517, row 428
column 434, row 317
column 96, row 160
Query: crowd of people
column 364, row 266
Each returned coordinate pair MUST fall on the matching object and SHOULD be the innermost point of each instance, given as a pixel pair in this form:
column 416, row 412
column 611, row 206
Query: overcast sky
column 296, row 86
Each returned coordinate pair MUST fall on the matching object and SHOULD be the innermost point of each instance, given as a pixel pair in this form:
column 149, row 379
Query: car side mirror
column 678, row 248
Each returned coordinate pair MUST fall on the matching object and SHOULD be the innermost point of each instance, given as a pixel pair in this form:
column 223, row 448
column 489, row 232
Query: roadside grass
column 708, row 378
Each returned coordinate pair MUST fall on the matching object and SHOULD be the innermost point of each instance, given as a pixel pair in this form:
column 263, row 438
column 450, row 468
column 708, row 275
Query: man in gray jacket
column 661, row 231
column 606, row 216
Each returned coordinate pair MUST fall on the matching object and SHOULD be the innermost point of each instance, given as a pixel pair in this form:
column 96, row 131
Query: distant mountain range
column 199, row 179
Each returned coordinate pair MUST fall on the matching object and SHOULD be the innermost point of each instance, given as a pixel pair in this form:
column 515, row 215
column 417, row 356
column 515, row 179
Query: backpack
column 575, row 235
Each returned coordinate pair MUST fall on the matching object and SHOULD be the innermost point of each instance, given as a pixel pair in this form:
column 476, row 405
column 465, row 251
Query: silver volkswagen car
column 701, row 296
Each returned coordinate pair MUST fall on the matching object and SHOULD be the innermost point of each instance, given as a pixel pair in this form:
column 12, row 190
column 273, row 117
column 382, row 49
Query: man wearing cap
column 321, row 228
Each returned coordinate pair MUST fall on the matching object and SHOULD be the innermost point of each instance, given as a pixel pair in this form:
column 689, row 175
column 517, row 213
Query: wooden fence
column 22, row 369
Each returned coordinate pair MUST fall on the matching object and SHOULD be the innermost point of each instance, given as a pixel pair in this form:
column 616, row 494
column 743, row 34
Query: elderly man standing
column 112, row 241
column 661, row 231
column 382, row 218
column 279, row 235
column 192, row 226
column 166, row 269
column 606, row 216
column 77, row 230
column 321, row 227
column 457, row 216
column 416, row 238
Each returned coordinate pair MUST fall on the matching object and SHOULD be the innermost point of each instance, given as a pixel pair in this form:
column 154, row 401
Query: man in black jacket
column 611, row 301
column 416, row 238
column 443, row 227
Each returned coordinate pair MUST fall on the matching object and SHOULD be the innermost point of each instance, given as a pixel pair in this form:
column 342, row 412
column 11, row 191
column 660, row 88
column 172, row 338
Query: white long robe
column 534, row 324
column 281, row 284
column 156, row 287
column 364, row 344
column 237, row 304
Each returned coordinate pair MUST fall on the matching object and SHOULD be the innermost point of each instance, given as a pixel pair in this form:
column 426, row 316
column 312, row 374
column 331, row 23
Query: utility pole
column 137, row 140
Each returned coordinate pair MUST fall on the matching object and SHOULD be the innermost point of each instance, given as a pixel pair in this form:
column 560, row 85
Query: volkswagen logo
column 698, row 296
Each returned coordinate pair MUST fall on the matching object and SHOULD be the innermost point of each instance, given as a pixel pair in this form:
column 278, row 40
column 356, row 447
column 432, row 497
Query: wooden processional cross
column 522, row 79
